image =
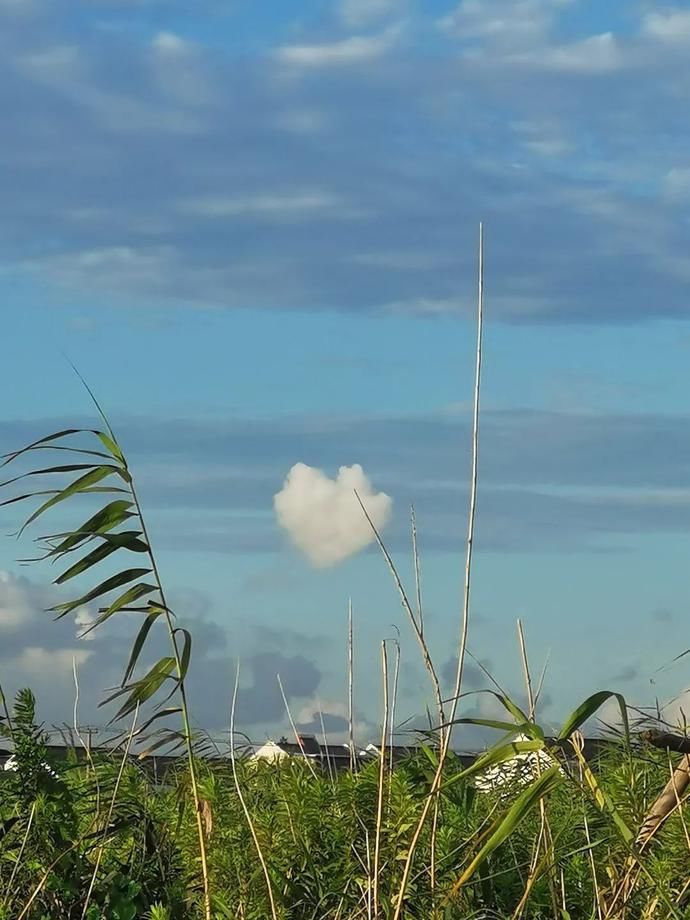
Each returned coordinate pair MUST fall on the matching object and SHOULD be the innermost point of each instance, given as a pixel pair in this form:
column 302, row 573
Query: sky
column 253, row 228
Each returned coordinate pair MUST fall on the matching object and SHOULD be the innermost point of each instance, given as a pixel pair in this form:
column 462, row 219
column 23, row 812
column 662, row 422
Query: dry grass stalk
column 298, row 739
column 241, row 799
column 464, row 624
column 667, row 801
column 545, row 835
column 426, row 655
column 350, row 689
column 382, row 779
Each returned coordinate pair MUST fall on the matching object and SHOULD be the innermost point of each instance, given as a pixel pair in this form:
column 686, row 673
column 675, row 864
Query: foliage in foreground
column 98, row 833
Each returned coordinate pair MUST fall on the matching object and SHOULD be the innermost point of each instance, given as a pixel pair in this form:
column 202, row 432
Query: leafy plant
column 116, row 530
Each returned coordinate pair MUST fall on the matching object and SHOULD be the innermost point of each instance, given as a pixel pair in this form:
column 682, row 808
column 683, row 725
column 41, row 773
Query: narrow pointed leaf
column 169, row 711
column 505, row 825
column 115, row 581
column 169, row 737
column 120, row 604
column 587, row 709
column 66, row 468
column 82, row 484
column 145, row 688
column 112, row 447
column 95, row 556
column 140, row 640
column 495, row 756
column 8, row 458
column 21, row 498
column 106, row 519
column 525, row 728
column 186, row 652
column 128, row 540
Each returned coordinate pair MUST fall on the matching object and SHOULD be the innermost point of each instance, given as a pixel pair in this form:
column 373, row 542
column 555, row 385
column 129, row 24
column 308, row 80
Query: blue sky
column 253, row 227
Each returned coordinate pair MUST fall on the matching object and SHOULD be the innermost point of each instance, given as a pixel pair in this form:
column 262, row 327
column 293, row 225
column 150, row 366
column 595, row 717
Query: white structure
column 270, row 752
column 518, row 772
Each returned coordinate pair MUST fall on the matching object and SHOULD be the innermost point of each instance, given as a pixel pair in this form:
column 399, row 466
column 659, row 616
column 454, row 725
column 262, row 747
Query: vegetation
column 95, row 838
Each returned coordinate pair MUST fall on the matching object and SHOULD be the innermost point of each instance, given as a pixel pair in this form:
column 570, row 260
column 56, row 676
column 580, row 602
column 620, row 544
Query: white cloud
column 677, row 184
column 672, row 25
column 594, row 55
column 168, row 42
column 322, row 516
column 15, row 605
column 511, row 23
column 357, row 13
column 83, row 620
column 296, row 205
column 36, row 661
column 351, row 50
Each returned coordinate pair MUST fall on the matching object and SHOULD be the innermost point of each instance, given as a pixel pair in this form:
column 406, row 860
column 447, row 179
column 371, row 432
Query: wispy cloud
column 358, row 13
column 670, row 25
column 290, row 206
column 346, row 51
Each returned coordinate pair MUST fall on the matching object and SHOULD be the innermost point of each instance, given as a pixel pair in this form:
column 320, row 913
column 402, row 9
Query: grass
column 96, row 839
column 316, row 835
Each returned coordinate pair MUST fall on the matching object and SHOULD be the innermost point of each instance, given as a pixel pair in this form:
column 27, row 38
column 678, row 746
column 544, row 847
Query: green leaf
column 67, row 468
column 161, row 714
column 112, row 447
column 186, row 651
column 103, row 521
column 587, row 709
column 8, row 458
column 156, row 611
column 525, row 728
column 142, row 690
column 115, row 581
column 506, row 825
column 79, row 485
column 166, row 738
column 122, row 603
column 128, row 540
column 495, row 756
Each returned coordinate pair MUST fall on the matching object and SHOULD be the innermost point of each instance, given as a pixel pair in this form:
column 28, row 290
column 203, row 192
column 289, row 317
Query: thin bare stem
column 526, row 671
column 240, row 796
column 350, row 689
column 426, row 655
column 464, row 623
column 77, row 732
column 298, row 738
column 417, row 571
column 394, row 697
column 382, row 778
column 329, row 765
column 183, row 706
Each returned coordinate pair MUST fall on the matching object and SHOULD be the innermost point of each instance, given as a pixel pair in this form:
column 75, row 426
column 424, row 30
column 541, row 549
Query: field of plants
column 95, row 837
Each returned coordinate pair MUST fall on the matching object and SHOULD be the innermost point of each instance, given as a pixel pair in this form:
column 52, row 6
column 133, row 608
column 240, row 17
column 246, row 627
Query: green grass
column 317, row 837
column 97, row 840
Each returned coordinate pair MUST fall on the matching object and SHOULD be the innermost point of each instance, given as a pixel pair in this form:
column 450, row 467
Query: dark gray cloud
column 628, row 673
column 144, row 169
column 38, row 652
column 548, row 480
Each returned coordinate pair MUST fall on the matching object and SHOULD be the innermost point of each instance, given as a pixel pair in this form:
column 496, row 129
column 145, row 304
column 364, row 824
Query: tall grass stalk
column 464, row 624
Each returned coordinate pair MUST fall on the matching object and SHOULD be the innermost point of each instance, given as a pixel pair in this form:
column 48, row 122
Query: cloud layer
column 323, row 517
column 332, row 162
